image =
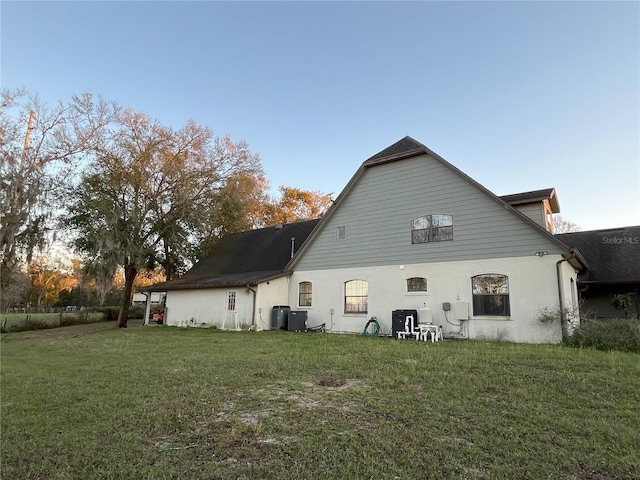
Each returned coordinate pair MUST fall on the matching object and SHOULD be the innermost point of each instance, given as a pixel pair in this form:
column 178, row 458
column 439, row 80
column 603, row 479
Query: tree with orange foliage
column 295, row 205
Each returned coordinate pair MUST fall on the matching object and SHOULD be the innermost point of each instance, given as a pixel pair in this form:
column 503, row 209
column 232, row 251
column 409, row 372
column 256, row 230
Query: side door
column 231, row 313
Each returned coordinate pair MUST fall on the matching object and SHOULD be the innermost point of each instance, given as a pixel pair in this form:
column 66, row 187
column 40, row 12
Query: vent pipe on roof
column 293, row 246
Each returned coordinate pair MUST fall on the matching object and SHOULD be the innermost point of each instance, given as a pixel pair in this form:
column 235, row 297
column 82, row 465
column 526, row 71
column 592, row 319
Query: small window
column 356, row 296
column 491, row 295
column 432, row 228
column 304, row 294
column 231, row 301
column 341, row 233
column 416, row 284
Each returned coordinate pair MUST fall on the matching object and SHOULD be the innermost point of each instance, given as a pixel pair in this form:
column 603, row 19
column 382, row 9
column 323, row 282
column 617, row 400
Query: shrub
column 110, row 313
column 615, row 334
column 135, row 311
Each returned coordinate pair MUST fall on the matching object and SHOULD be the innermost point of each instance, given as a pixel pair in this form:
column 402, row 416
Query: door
column 231, row 314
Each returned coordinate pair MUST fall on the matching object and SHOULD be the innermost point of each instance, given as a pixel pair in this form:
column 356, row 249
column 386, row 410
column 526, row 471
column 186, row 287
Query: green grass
column 159, row 402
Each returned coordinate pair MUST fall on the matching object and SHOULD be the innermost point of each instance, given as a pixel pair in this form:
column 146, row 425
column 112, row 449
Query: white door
column 231, row 314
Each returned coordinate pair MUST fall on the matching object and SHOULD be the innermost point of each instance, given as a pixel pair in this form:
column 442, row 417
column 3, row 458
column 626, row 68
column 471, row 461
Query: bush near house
column 611, row 334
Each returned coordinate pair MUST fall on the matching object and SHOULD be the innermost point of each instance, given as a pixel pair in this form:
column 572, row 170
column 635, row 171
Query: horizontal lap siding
column 534, row 211
column 377, row 214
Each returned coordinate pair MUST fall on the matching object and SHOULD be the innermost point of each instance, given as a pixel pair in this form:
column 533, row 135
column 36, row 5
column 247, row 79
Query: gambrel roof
column 245, row 258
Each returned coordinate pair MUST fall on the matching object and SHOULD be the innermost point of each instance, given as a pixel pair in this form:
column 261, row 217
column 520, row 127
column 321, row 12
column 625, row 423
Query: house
column 614, row 269
column 409, row 232
column 236, row 285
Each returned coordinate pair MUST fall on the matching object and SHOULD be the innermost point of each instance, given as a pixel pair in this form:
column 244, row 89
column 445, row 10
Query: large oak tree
column 153, row 194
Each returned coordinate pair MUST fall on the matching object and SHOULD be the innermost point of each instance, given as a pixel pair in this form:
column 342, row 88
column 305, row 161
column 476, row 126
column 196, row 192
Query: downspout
column 253, row 310
column 563, row 316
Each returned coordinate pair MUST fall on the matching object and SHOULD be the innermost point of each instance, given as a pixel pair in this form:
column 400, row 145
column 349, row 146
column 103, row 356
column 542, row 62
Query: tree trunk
column 169, row 265
column 130, row 272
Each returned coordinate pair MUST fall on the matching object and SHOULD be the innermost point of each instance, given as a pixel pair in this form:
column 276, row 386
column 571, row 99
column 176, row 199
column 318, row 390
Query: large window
column 356, row 296
column 432, row 228
column 416, row 284
column 491, row 295
column 304, row 294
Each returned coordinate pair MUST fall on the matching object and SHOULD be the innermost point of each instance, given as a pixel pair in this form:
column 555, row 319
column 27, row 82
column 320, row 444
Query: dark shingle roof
column 613, row 255
column 404, row 148
column 244, row 258
column 534, row 196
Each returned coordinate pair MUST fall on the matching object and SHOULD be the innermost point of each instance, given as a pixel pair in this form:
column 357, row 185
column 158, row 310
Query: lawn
column 92, row 401
column 33, row 321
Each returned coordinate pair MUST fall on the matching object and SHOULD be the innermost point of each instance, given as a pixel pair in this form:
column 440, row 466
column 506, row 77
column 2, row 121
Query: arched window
column 416, row 284
column 432, row 228
column 304, row 294
column 356, row 296
column 491, row 295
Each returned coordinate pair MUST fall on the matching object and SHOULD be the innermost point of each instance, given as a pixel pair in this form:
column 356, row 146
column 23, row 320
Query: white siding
column 208, row 307
column 532, row 285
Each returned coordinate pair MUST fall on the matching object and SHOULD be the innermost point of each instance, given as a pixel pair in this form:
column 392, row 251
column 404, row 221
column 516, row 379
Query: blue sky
column 518, row 95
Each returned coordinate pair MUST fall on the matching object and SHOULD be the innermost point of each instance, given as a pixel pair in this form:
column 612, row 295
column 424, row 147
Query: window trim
column 309, row 293
column 431, row 233
column 363, row 283
column 416, row 292
column 506, row 315
column 232, row 298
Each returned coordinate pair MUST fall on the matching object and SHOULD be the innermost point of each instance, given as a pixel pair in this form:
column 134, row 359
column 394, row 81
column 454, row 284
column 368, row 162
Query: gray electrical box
column 446, row 306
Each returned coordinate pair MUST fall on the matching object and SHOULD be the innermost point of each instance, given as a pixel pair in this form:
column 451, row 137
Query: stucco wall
column 270, row 294
column 208, row 307
column 532, row 287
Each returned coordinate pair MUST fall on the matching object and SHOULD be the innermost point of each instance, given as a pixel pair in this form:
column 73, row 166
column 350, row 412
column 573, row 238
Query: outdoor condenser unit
column 280, row 317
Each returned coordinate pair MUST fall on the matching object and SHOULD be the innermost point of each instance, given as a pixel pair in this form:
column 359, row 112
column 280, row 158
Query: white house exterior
column 229, row 308
column 409, row 232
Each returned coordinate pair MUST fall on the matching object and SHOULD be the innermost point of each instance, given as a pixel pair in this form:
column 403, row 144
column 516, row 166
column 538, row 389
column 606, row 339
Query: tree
column 38, row 147
column 48, row 277
column 296, row 205
column 147, row 197
column 561, row 225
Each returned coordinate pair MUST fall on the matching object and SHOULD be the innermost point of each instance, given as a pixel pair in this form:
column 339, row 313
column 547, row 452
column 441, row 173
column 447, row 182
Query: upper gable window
column 341, row 233
column 432, row 228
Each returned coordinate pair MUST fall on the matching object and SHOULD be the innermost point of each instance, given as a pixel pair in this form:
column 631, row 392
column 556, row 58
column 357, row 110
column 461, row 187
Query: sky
column 518, row 95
